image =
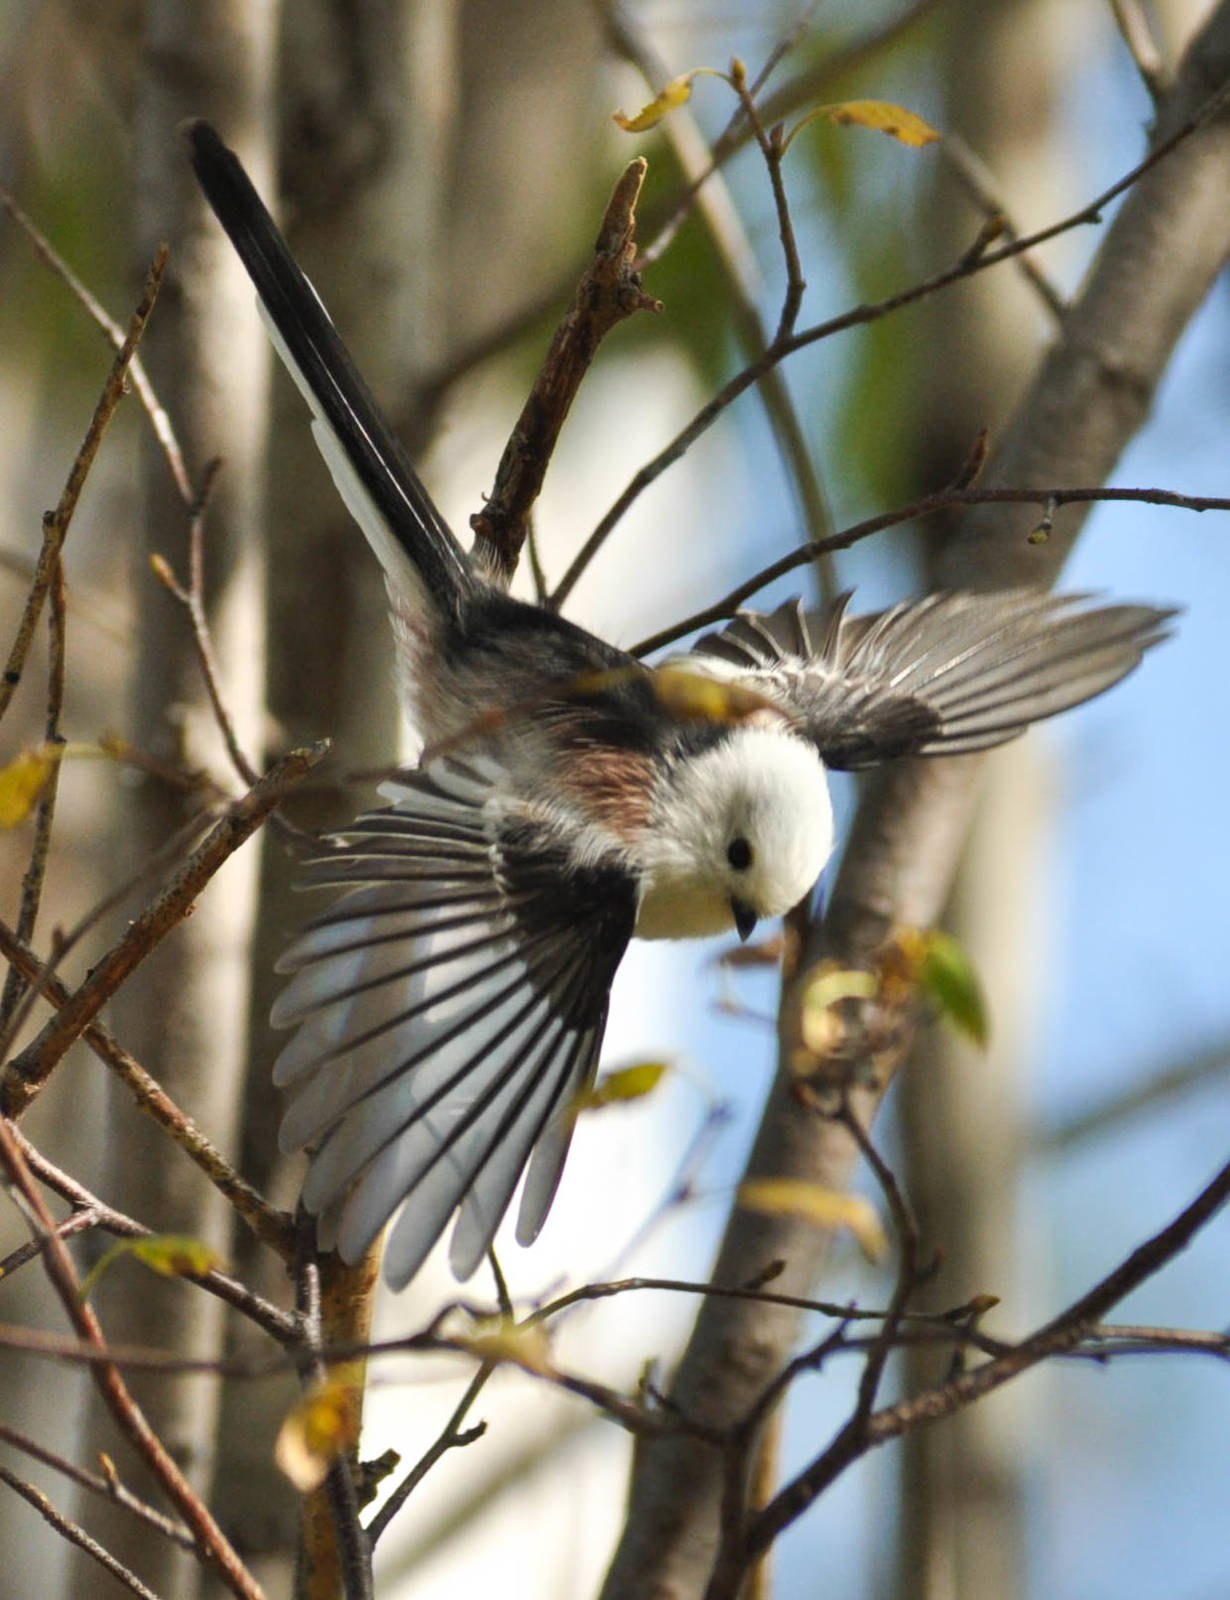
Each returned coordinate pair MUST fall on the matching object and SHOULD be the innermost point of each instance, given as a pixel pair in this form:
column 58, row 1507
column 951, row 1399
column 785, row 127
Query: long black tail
column 372, row 472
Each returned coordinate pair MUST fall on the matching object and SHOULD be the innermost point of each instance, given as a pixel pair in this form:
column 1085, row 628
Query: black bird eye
column 739, row 854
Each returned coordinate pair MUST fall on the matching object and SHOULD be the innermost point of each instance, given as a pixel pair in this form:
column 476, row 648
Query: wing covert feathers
column 945, row 675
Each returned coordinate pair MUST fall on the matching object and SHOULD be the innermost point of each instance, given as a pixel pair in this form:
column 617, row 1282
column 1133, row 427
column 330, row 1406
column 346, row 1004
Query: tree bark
column 961, row 1528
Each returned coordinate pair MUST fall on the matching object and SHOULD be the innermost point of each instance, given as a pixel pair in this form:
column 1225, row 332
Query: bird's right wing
column 449, row 1007
column 949, row 674
column 373, row 474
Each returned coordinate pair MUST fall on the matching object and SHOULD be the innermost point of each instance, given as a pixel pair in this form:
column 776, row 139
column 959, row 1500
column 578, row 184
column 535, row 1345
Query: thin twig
column 159, row 420
column 771, row 150
column 76, row 1534
column 452, row 1437
column 31, row 1250
column 56, row 523
column 28, row 1072
column 192, row 597
column 279, row 1324
column 109, row 1486
column 1062, row 1333
column 734, row 254
column 979, row 184
column 927, row 506
column 908, row 1273
column 63, row 941
column 44, row 820
column 858, row 317
column 210, row 1540
column 609, row 291
column 271, row 1226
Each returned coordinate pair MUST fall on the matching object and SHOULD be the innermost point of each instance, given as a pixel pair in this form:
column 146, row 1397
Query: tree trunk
column 962, row 1493
column 1156, row 264
column 181, row 1014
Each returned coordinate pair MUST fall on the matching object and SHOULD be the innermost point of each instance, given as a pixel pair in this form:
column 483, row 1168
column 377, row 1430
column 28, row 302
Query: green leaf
column 947, row 977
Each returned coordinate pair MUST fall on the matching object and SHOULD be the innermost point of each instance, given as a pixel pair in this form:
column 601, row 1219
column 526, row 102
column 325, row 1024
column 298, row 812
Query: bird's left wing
column 448, row 1007
column 946, row 675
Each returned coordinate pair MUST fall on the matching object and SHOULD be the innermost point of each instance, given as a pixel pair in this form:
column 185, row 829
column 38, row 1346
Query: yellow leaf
column 318, row 1428
column 507, row 1342
column 698, row 697
column 628, row 1083
column 834, row 983
column 827, row 1208
column 820, row 1030
column 905, row 126
column 174, row 1255
column 676, row 93
column 22, row 781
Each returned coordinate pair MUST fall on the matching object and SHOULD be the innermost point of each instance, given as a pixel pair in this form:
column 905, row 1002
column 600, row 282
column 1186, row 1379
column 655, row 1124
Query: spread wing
column 945, row 675
column 448, row 1007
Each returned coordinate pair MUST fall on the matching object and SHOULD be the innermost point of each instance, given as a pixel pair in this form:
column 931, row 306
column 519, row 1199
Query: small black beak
column 745, row 919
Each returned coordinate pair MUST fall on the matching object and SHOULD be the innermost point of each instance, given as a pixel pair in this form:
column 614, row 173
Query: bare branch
column 75, row 1534
column 609, row 291
column 929, row 505
column 1063, row 1333
column 733, row 251
column 154, row 410
column 56, row 523
column 210, row 1539
column 279, row 1324
column 109, row 1487
column 271, row 1226
column 860, row 315
column 979, row 184
column 28, row 1072
column 36, row 871
column 452, row 1437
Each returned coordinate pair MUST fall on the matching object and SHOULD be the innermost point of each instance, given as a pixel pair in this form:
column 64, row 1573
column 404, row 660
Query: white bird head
column 740, row 831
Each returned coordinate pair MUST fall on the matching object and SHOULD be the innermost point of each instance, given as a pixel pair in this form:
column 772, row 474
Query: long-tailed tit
column 449, row 1005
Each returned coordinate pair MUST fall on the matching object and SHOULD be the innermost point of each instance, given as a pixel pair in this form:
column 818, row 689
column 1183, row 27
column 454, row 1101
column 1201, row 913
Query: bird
column 448, row 1004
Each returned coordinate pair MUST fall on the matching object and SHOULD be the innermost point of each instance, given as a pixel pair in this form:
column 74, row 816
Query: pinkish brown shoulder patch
column 614, row 787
